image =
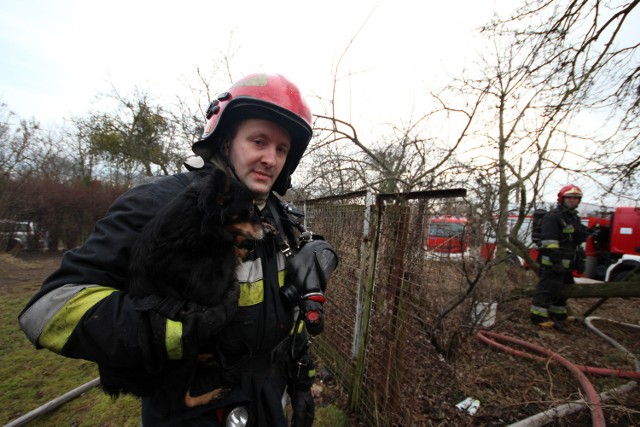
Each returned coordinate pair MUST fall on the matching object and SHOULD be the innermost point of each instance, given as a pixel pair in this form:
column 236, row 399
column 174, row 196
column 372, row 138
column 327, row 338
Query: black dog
column 188, row 251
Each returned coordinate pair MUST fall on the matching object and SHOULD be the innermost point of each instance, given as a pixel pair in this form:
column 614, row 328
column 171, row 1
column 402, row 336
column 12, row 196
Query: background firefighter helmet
column 260, row 96
column 569, row 190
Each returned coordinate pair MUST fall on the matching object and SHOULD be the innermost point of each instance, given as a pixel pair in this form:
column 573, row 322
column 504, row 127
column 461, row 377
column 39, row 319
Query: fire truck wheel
column 619, row 277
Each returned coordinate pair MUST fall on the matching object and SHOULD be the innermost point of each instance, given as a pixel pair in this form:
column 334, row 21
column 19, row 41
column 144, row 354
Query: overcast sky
column 57, row 55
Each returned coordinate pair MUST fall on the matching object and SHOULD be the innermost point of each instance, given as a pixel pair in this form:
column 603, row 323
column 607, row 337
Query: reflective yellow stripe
column 251, row 293
column 173, row 339
column 300, row 328
column 56, row 333
column 552, row 246
column 539, row 311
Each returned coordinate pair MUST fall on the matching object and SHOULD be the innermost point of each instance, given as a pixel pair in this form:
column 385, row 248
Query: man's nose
column 269, row 156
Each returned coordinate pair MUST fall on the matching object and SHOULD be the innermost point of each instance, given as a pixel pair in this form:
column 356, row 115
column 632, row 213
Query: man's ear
column 226, row 147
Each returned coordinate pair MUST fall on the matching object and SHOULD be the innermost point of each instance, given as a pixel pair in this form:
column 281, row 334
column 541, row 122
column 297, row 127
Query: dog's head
column 229, row 204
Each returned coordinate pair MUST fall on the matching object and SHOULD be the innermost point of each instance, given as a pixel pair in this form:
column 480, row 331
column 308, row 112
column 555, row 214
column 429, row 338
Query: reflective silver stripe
column 282, row 261
column 36, row 317
column 557, row 309
column 250, row 276
column 249, row 271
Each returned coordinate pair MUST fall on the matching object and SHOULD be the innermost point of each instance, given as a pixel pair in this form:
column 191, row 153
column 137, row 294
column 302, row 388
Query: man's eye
column 283, row 150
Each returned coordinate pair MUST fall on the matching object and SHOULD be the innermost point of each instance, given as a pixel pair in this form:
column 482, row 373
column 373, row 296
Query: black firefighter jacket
column 562, row 233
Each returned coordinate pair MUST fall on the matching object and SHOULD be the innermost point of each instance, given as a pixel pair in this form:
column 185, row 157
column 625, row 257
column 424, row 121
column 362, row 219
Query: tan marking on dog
column 246, row 230
column 203, row 399
column 243, row 231
column 205, row 357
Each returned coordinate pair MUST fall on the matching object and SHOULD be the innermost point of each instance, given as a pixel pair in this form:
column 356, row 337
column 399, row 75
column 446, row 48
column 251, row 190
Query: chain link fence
column 389, row 301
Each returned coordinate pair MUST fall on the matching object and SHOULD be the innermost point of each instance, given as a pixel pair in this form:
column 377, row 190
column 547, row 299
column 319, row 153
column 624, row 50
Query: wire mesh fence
column 386, row 299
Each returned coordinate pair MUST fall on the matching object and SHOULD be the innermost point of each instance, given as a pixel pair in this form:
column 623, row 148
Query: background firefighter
column 562, row 233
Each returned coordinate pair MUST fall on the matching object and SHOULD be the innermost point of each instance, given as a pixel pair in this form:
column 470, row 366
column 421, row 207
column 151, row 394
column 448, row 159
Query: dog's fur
column 188, row 251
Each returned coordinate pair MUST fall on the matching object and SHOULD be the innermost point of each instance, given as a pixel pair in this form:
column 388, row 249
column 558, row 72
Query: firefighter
column 562, row 234
column 257, row 132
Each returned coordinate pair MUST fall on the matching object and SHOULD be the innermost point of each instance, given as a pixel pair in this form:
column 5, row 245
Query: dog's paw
column 203, row 399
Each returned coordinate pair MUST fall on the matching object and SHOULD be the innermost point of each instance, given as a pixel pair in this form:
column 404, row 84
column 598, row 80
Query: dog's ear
column 214, row 194
column 213, row 190
column 223, row 184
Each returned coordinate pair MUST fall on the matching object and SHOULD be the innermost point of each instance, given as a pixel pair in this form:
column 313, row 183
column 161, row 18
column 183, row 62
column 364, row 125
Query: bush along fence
column 385, row 332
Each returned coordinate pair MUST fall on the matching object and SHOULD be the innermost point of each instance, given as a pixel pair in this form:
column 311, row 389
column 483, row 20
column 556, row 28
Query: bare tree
column 190, row 111
column 533, row 86
column 138, row 137
column 23, row 154
column 594, row 47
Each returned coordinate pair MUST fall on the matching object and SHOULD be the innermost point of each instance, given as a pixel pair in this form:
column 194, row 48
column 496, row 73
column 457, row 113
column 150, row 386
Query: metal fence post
column 368, row 257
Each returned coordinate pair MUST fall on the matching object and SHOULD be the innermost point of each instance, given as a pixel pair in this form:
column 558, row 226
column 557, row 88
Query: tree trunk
column 601, row 290
column 588, row 290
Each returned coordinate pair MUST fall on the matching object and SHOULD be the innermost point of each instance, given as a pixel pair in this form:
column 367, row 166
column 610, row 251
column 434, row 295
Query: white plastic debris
column 484, row 313
column 470, row 405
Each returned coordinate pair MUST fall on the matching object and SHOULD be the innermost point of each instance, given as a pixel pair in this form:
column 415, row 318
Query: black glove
column 304, row 408
column 555, row 258
column 302, row 403
column 208, row 321
column 200, row 324
column 309, row 269
column 307, row 276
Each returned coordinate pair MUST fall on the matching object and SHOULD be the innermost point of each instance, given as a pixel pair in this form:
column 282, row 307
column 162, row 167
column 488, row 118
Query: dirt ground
column 508, row 386
column 524, row 387
column 26, row 268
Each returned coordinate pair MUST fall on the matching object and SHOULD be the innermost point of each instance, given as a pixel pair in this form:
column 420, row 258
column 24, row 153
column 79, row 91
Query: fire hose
column 53, row 404
column 592, row 398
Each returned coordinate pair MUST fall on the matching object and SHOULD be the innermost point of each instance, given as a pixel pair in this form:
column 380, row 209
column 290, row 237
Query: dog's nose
column 247, row 244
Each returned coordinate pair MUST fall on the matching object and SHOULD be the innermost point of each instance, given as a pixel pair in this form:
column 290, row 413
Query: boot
column 543, row 322
column 561, row 317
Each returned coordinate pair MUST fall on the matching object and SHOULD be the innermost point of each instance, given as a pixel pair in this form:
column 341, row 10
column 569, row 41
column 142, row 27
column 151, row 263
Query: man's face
column 571, row 202
column 258, row 152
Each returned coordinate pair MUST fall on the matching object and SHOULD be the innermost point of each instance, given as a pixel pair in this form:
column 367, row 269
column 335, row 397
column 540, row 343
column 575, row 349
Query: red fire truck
column 524, row 235
column 611, row 252
column 447, row 237
column 614, row 248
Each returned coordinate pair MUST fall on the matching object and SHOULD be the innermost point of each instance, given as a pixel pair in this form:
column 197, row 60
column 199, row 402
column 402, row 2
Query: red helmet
column 569, row 190
column 265, row 96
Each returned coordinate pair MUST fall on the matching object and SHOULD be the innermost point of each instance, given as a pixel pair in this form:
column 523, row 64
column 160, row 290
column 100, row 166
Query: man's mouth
column 262, row 175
